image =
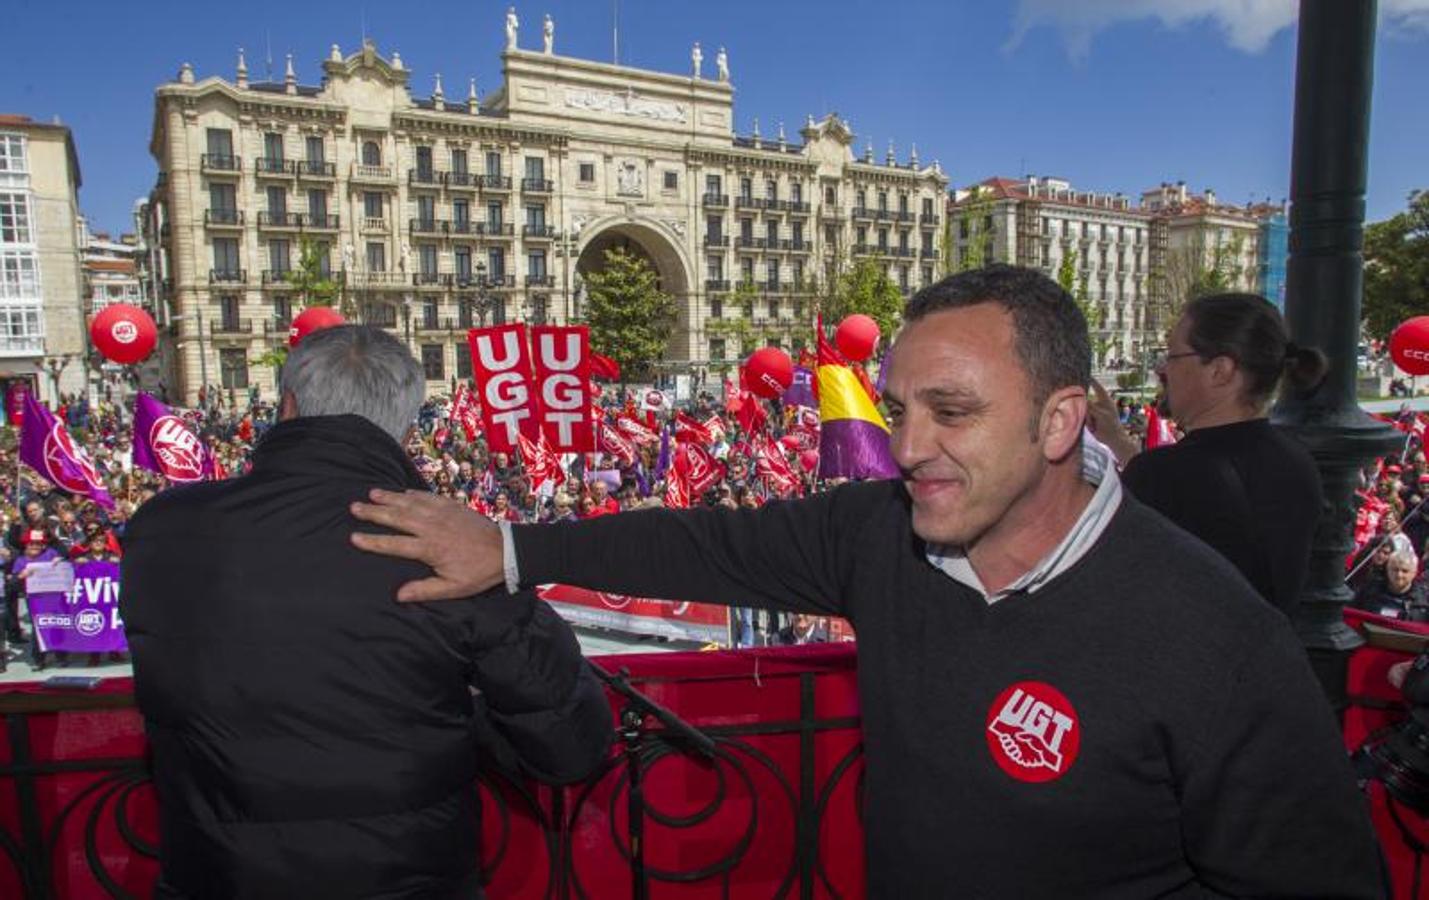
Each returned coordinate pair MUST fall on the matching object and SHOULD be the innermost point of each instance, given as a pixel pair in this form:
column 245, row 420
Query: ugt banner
column 75, row 607
column 561, row 355
column 636, row 615
column 163, row 443
column 501, row 363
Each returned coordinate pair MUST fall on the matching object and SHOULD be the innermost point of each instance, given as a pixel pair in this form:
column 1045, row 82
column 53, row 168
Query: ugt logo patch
column 1033, row 732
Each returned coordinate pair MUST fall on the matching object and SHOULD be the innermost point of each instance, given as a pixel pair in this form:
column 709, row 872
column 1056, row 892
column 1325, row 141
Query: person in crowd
column 311, row 738
column 38, row 551
column 803, row 629
column 604, row 504
column 1115, row 740
column 1402, row 594
column 1248, row 490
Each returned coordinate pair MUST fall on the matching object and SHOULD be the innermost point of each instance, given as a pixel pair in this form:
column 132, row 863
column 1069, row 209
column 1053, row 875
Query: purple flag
column 46, row 447
column 662, row 462
column 165, row 444
column 80, row 618
column 801, row 391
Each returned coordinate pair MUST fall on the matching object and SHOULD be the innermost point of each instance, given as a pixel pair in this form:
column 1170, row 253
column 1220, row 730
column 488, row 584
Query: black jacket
column 311, row 737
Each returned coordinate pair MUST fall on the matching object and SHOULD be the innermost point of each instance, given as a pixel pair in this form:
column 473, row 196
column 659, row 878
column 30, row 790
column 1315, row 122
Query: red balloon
column 857, row 337
column 1409, row 346
column 314, row 318
column 809, row 459
column 769, row 371
column 124, row 334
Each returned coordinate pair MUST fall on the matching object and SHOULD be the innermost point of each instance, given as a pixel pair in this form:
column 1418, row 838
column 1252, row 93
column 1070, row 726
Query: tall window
column 12, row 153
column 434, row 362
column 273, row 146
column 427, row 259
column 493, row 163
column 371, row 154
column 493, row 216
column 902, row 203
column 314, row 146
column 798, row 229
column 461, row 213
column 535, row 168
column 746, row 269
column 496, row 263
column 15, row 219
column 279, row 256
column 882, row 201
column 796, row 192
column 746, row 188
column 831, row 195
column 220, row 143
column 771, row 231
column 746, row 230
column 376, row 256
column 225, row 255
column 424, row 163
column 536, row 218
column 462, row 256
column 714, row 184
column 426, row 210
column 463, row 355
column 233, row 368
column 771, row 189
column 715, row 266
column 282, row 310
column 372, row 204
column 714, row 227
column 317, row 206
column 228, row 312
column 536, row 264
column 277, row 202
column 459, row 161
column 772, row 268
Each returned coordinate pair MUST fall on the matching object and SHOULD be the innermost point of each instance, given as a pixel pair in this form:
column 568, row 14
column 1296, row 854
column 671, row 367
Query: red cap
column 1393, row 470
column 35, row 536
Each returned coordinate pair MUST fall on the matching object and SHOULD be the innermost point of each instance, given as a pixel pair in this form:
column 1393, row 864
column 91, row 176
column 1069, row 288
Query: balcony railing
column 220, row 218
column 363, row 172
column 495, row 182
column 720, row 200
column 903, row 216
column 215, row 162
column 542, row 232
column 746, row 202
column 545, row 281
column 464, row 228
column 427, row 226
column 716, row 284
column 277, row 276
column 929, row 220
column 832, row 213
column 776, row 287
column 499, row 281
column 234, row 327
column 903, row 252
column 429, row 177
column 268, row 219
column 321, row 222
column 379, row 279
column 797, row 207
column 863, row 212
column 498, row 229
column 460, row 180
column 13, row 345
column 716, row 240
column 273, row 165
column 801, row 246
column 227, row 276
column 536, row 185
column 316, row 168
column 431, row 279
column 380, row 316
column 750, row 243
column 375, row 224
column 930, row 253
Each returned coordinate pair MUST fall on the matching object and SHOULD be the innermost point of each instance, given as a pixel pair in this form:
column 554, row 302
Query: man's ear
column 287, row 407
column 1063, row 416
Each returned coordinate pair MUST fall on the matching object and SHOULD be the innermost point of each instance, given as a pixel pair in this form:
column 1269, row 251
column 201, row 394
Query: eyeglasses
column 1159, row 358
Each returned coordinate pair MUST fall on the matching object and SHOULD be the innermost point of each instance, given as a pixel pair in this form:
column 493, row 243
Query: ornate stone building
column 435, row 213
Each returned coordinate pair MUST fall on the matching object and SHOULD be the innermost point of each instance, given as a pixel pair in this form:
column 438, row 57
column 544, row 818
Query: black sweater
column 311, row 737
column 1208, row 761
column 1247, row 489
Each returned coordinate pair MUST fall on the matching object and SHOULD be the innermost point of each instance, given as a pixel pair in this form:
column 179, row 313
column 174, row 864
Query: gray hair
column 356, row 370
column 1403, row 557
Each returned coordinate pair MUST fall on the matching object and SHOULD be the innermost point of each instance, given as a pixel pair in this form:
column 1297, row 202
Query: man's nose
column 911, row 441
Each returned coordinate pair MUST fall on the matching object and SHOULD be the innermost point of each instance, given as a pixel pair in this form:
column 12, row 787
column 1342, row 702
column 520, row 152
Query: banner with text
column 501, row 363
column 75, row 607
column 562, row 364
column 637, row 615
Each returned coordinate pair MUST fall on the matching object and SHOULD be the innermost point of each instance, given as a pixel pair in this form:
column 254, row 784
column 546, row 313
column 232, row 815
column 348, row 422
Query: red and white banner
column 688, row 428
column 652, row 400
column 700, row 470
column 465, row 410
column 636, row 615
column 636, row 430
column 770, row 464
column 543, row 465
column 615, row 441
column 562, row 365
column 502, row 366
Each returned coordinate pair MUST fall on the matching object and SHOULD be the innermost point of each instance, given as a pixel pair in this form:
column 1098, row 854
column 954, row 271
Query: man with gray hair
column 310, row 737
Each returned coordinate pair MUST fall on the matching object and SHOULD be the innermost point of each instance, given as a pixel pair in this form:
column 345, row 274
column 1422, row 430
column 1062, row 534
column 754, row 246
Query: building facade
column 1204, row 235
column 42, row 327
column 434, row 215
column 1041, row 222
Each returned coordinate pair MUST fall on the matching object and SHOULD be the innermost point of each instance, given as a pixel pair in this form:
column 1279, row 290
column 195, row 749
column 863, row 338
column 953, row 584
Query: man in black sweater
column 310, row 738
column 1063, row 694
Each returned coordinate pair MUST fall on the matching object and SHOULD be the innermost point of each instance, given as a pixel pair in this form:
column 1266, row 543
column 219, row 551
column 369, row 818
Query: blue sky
column 1116, row 95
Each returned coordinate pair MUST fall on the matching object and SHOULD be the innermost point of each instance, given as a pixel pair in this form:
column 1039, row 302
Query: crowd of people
column 1387, row 570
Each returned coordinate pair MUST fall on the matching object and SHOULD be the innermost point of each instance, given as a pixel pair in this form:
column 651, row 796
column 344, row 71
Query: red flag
column 732, row 399
column 614, row 441
column 751, row 415
column 502, row 365
column 604, row 367
column 716, row 427
column 562, row 367
column 700, row 470
column 543, row 466
column 687, row 428
column 1158, row 430
column 677, row 490
column 770, row 464
column 638, row 431
column 465, row 412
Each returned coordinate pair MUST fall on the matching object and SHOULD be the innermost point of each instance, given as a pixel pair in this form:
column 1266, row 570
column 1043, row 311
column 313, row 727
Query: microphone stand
column 636, row 710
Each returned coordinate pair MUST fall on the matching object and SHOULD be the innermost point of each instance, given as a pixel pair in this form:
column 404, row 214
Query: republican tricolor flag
column 853, row 438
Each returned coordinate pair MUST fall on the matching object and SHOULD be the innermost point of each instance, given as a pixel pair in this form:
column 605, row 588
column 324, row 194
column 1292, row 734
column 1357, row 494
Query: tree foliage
column 312, row 286
column 1075, row 283
column 1188, row 273
column 973, row 225
column 630, row 318
column 1396, row 277
column 866, row 288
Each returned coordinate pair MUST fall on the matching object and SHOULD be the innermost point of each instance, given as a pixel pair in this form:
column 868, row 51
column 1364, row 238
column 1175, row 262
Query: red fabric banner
column 636, row 430
column 562, row 364
column 465, row 410
column 502, row 366
column 637, row 615
column 700, row 470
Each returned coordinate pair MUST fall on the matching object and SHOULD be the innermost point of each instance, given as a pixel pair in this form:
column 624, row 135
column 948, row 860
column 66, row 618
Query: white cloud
column 1248, row 25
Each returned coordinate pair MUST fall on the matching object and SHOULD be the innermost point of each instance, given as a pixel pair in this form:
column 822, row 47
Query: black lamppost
column 1324, row 279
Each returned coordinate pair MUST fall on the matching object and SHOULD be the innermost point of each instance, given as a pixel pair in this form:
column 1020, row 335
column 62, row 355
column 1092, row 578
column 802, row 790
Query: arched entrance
column 660, row 249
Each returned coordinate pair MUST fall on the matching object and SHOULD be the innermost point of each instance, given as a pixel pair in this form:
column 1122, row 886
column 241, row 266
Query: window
column 225, row 255
column 233, row 365
column 927, row 207
column 463, row 359
column 903, row 241
column 772, row 269
column 536, row 264
column 282, row 310
column 433, row 360
column 12, row 153
column 717, row 306
column 714, row 185
column 324, row 254
column 427, row 259
column 799, row 272
column 716, row 349
column 862, row 198
column 831, row 234
column 493, row 164
column 462, row 257
column 228, row 312
column 461, row 213
column 746, row 188
column 376, row 256
column 715, row 266
column 459, row 161
column 314, row 145
column 279, row 256
column 430, row 321
column 903, row 277
column 498, row 311
column 19, row 276
column 714, row 227
column 277, row 203
column 672, row 181
column 427, row 210
column 221, row 198
column 903, row 203
column 771, row 189
column 536, row 218
column 831, row 195
column 861, row 235
column 772, row 232
column 882, row 201
column 798, row 229
column 273, row 146
column 883, row 238
column 927, row 275
column 746, row 230
column 535, row 168
column 796, row 192
column 746, row 269
column 587, row 173
column 372, row 204
column 493, row 216
column 424, row 164
column 317, row 207
column 220, row 143
column 371, row 154
column 496, row 263
column 15, row 219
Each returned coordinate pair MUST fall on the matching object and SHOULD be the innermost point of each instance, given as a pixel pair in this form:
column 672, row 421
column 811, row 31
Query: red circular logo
column 125, row 332
column 63, row 462
column 176, row 449
column 1033, row 732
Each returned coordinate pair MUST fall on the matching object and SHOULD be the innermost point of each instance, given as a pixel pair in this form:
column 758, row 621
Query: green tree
column 973, row 224
column 1075, row 283
column 1396, row 276
column 312, row 286
column 866, row 288
column 630, row 318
